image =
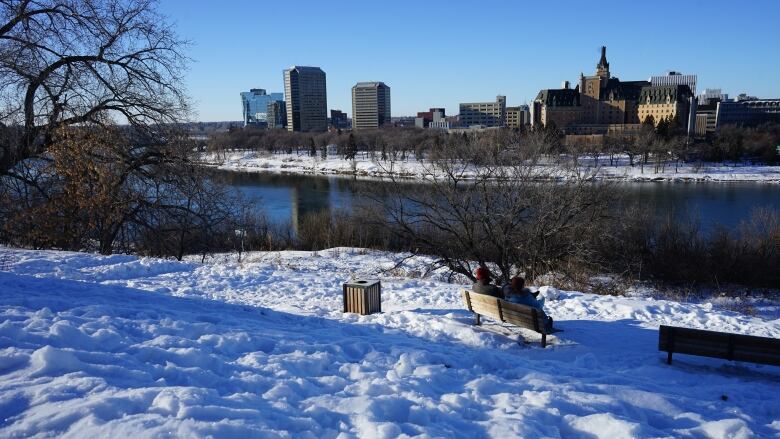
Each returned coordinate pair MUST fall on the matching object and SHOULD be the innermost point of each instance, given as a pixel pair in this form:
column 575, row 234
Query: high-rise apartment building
column 674, row 78
column 488, row 114
column 370, row 105
column 306, row 99
column 254, row 105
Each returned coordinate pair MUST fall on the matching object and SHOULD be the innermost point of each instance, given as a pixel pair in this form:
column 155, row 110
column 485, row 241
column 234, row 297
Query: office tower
column 370, row 105
column 338, row 119
column 489, row 114
column 675, row 78
column 517, row 117
column 277, row 114
column 254, row 105
column 306, row 99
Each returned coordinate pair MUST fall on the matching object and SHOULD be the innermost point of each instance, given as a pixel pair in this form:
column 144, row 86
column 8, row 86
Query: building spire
column 602, row 68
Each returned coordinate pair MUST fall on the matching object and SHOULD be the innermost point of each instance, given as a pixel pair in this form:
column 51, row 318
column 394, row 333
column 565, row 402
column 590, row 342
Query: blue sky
column 438, row 53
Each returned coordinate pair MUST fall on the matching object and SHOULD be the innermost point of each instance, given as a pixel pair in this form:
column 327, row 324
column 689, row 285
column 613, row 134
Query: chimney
column 565, row 84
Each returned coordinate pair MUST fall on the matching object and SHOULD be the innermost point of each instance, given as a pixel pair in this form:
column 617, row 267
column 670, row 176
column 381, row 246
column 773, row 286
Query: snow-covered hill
column 119, row 346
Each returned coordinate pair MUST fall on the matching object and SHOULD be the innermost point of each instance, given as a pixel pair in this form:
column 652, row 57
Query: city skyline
column 448, row 62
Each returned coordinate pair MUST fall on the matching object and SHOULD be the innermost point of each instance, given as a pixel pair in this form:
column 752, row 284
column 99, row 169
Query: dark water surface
column 285, row 198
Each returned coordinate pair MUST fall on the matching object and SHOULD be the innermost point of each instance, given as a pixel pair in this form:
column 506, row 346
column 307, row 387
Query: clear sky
column 436, row 53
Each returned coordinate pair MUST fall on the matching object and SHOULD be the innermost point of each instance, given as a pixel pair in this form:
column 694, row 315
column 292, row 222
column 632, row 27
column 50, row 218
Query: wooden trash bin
column 363, row 296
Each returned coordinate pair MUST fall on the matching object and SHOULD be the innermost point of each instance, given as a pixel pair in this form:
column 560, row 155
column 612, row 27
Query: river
column 285, row 197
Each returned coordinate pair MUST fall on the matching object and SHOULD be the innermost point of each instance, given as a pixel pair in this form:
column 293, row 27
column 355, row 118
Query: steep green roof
column 559, row 97
column 622, row 90
column 658, row 94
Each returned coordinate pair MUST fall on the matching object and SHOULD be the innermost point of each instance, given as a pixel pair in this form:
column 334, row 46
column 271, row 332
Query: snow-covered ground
column 121, row 346
column 364, row 166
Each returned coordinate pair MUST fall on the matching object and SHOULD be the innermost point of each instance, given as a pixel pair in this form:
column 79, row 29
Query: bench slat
column 524, row 319
column 483, row 298
column 486, row 310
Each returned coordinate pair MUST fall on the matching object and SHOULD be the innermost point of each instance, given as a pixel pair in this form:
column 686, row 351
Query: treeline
column 651, row 146
column 388, row 143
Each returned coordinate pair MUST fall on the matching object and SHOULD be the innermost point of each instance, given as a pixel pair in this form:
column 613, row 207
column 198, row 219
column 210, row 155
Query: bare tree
column 508, row 212
column 74, row 62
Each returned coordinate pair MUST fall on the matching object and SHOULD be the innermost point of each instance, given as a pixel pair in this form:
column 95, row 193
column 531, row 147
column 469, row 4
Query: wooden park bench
column 513, row 313
column 734, row 347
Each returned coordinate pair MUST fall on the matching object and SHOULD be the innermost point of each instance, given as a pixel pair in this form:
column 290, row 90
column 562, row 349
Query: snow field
column 94, row 346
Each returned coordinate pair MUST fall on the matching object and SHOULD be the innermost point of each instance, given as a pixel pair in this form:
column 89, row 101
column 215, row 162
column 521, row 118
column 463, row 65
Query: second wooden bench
column 737, row 347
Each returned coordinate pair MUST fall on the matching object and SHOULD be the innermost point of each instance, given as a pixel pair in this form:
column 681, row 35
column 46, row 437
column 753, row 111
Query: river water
column 284, row 198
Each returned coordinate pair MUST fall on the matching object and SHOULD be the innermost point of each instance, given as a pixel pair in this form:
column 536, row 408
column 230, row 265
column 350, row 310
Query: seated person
column 483, row 285
column 516, row 292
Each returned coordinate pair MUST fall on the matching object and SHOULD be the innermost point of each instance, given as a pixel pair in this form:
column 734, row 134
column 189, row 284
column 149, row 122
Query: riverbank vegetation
column 652, row 147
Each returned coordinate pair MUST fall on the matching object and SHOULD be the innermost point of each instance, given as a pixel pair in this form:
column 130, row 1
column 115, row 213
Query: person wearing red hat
column 483, row 285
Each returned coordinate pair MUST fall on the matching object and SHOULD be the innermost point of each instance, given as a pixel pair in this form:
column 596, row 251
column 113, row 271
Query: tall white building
column 711, row 94
column 675, row 78
column 370, row 105
column 306, row 99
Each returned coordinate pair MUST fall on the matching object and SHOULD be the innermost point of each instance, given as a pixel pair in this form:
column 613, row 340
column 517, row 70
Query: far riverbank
column 600, row 168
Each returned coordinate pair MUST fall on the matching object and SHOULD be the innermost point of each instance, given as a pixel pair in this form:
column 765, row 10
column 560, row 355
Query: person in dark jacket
column 483, row 285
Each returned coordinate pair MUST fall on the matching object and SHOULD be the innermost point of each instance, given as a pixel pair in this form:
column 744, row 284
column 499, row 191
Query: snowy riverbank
column 94, row 346
column 363, row 166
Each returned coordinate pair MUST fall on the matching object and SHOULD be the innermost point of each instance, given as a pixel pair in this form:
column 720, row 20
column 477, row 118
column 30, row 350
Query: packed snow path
column 118, row 346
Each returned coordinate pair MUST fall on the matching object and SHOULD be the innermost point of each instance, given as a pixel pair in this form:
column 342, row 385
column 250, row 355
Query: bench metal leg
column 669, row 358
column 544, row 340
column 477, row 315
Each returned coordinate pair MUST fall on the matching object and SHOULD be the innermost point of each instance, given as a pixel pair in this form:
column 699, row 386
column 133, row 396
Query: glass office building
column 254, row 104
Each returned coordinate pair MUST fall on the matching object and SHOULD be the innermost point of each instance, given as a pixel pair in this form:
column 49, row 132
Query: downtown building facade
column 370, row 105
column 424, row 118
column 254, row 106
column 306, row 99
column 517, row 117
column 674, row 78
column 486, row 114
column 602, row 104
column 747, row 111
column 277, row 115
column 339, row 120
